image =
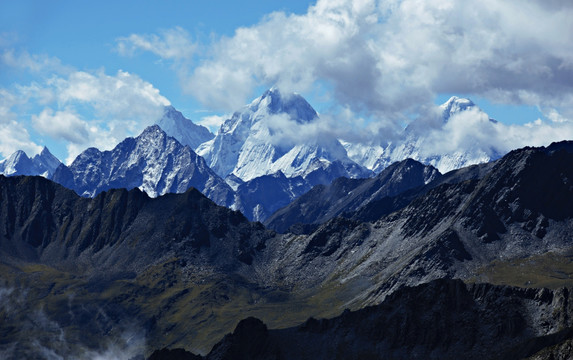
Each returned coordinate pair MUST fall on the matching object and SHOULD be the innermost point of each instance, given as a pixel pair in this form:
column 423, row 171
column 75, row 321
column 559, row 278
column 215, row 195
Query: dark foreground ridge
column 443, row 319
column 118, row 230
column 178, row 271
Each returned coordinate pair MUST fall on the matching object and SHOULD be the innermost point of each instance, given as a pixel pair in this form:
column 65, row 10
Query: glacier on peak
column 454, row 106
column 267, row 136
column 426, row 140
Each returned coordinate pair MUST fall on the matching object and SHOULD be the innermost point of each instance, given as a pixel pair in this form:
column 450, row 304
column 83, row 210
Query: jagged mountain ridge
column 368, row 199
column 44, row 164
column 46, row 223
column 323, row 203
column 158, row 164
column 153, row 162
column 307, row 159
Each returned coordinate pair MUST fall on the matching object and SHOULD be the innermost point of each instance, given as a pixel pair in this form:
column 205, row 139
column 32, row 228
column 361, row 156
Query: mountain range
column 153, row 162
column 148, row 247
column 252, row 150
column 180, row 271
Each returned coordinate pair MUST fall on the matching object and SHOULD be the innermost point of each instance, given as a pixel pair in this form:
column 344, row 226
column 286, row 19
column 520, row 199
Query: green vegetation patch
column 549, row 270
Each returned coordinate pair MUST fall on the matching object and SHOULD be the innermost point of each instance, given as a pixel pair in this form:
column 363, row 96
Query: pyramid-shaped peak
column 456, row 104
column 176, row 125
column 46, row 162
column 45, row 154
column 152, row 130
column 18, row 154
column 170, row 111
column 277, row 102
column 18, row 164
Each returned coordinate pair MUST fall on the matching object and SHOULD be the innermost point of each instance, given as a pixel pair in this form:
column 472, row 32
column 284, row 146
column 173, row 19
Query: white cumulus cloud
column 391, row 57
column 65, row 125
column 15, row 137
column 79, row 109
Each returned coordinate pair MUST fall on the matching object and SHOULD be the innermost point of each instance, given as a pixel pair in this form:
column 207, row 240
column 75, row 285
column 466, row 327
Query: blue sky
column 75, row 74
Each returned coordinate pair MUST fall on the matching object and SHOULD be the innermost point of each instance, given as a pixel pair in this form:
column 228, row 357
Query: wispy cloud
column 172, row 44
column 34, row 63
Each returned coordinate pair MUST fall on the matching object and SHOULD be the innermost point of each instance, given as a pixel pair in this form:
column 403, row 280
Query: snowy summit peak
column 264, row 137
column 184, row 130
column 276, row 102
column 43, row 164
column 455, row 105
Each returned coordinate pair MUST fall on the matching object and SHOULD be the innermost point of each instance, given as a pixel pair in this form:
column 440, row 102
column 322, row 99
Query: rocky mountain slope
column 344, row 195
column 443, row 319
column 153, row 162
column 19, row 163
column 181, row 271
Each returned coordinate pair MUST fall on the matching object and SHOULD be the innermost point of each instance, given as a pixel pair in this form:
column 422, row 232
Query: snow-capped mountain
column 153, row 162
column 265, row 137
column 454, row 106
column 419, row 142
column 184, row 130
column 43, row 164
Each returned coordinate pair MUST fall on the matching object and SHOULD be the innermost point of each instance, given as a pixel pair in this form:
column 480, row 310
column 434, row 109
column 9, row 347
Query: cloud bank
column 389, row 60
column 388, row 57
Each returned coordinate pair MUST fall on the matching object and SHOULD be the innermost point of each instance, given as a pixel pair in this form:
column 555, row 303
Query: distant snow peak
column 43, row 164
column 184, row 130
column 275, row 132
column 455, row 105
column 292, row 104
column 440, row 138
